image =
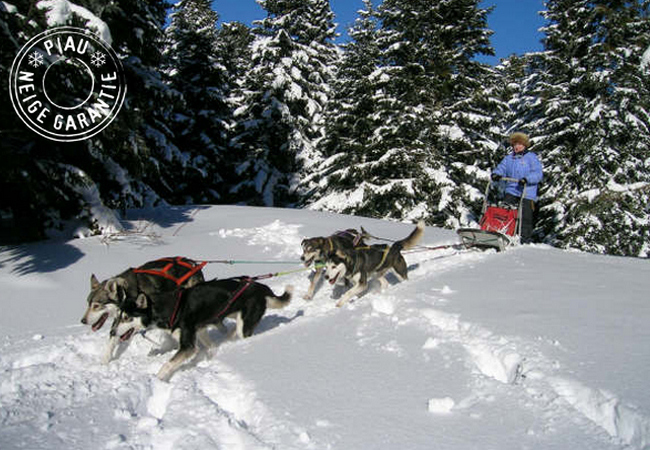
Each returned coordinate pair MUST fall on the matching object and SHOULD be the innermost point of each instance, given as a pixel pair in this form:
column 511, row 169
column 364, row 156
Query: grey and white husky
column 152, row 279
column 316, row 249
column 360, row 264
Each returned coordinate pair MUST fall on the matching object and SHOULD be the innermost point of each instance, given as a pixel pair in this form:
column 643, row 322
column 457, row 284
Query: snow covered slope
column 533, row 348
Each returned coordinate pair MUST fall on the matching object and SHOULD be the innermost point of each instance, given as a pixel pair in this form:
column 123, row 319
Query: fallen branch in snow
column 181, row 227
column 142, row 230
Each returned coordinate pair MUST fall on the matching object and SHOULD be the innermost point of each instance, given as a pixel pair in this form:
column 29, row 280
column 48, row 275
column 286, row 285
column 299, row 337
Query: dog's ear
column 142, row 302
column 116, row 288
column 94, row 282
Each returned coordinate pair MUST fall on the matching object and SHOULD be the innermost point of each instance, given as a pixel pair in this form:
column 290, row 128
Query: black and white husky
column 190, row 311
column 360, row 264
column 151, row 279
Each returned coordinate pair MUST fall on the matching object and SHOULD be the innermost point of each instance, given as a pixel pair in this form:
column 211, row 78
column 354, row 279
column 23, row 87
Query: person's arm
column 535, row 174
column 502, row 168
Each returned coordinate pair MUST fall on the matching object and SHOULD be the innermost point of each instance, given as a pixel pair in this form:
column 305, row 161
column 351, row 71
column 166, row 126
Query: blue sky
column 515, row 22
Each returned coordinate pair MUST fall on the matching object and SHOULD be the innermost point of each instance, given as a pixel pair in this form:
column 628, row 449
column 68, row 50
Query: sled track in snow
column 56, row 394
column 510, row 361
column 520, row 364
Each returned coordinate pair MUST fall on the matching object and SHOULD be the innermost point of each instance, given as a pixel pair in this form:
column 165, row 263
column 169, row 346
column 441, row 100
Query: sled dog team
column 172, row 294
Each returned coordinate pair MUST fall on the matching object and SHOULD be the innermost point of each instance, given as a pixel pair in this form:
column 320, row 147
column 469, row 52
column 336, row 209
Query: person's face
column 519, row 147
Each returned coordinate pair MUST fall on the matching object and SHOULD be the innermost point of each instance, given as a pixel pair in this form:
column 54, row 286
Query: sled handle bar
column 514, row 180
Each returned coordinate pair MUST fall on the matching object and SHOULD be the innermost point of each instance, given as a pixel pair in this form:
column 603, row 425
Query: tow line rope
column 248, row 281
column 235, row 261
column 423, row 248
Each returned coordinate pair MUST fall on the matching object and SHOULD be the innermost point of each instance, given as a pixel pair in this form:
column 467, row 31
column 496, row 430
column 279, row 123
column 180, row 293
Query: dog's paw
column 164, row 376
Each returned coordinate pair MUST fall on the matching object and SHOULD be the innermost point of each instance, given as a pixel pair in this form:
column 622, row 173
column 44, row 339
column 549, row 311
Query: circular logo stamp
column 67, row 84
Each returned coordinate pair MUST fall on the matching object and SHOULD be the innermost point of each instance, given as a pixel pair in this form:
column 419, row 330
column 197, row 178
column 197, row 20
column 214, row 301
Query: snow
column 103, row 217
column 645, row 59
column 532, row 348
column 60, row 12
column 8, row 7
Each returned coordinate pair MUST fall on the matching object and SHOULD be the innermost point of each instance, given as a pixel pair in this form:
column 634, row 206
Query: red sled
column 499, row 219
column 500, row 226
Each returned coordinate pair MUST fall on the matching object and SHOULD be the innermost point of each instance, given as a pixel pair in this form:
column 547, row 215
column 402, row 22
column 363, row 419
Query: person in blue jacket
column 522, row 165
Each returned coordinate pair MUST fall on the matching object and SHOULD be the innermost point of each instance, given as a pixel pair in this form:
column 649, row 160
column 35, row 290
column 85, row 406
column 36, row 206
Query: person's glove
column 523, row 181
column 496, row 177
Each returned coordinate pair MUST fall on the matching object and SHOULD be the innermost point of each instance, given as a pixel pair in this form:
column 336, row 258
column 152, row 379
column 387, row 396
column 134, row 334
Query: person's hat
column 520, row 138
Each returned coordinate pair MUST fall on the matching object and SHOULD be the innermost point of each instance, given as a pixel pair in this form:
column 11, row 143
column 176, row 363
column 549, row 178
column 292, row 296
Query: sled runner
column 500, row 224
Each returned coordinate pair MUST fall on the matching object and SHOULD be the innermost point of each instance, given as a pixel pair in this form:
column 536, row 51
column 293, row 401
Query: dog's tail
column 278, row 302
column 412, row 239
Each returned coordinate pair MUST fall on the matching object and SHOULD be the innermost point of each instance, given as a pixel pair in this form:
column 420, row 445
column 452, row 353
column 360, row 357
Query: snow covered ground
column 533, row 348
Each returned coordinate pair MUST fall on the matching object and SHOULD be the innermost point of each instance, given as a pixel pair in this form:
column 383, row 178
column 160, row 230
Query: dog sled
column 500, row 224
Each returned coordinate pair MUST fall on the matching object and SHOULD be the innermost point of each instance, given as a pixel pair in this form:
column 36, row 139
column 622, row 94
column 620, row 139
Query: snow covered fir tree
column 399, row 121
column 407, row 107
column 282, row 99
column 594, row 126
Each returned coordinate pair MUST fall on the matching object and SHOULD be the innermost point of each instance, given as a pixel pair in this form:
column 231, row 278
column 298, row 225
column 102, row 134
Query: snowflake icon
column 35, row 59
column 98, row 59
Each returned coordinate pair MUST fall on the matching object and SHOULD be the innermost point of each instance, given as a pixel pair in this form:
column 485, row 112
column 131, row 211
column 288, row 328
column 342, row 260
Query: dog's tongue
column 333, row 280
column 126, row 336
column 100, row 322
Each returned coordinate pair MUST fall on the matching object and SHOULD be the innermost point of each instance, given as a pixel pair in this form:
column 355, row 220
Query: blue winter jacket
column 523, row 165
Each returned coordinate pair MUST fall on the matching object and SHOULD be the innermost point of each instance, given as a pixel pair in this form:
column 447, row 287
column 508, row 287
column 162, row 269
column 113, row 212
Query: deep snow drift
column 532, row 348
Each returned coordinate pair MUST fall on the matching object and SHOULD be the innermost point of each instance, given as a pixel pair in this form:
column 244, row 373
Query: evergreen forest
column 400, row 121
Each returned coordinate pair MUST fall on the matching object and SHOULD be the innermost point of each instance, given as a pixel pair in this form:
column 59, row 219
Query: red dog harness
column 192, row 267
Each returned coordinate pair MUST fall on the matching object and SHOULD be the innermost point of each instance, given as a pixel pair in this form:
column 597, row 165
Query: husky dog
column 151, row 279
column 358, row 265
column 189, row 311
column 316, row 249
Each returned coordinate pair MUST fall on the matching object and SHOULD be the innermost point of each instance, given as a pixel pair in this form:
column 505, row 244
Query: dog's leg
column 222, row 327
column 400, row 269
column 168, row 343
column 113, row 341
column 238, row 330
column 251, row 319
column 312, row 286
column 355, row 290
column 383, row 283
column 240, row 325
column 171, row 366
column 204, row 337
column 186, row 352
